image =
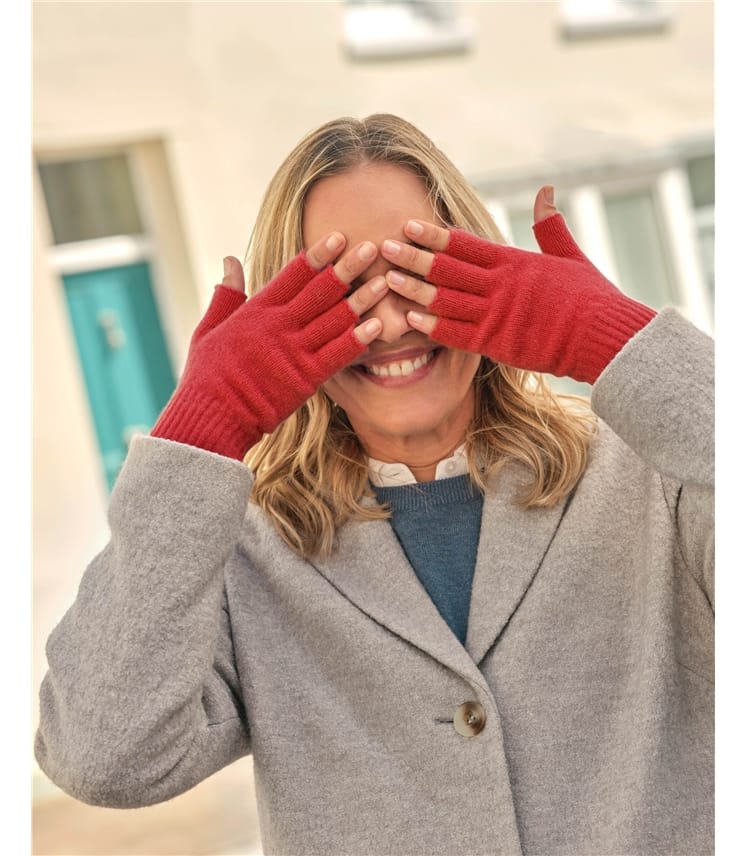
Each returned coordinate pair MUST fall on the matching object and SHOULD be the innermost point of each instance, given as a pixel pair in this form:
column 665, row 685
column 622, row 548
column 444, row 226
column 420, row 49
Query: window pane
column 639, row 250
column 700, row 171
column 521, row 229
column 92, row 198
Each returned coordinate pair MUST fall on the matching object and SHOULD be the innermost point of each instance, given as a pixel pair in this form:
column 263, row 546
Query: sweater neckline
column 421, row 496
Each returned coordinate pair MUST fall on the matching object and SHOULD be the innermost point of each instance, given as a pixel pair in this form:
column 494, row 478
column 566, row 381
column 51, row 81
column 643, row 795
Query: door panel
column 125, row 364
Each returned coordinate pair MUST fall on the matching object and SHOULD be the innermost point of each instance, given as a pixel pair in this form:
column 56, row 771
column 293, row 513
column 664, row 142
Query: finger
column 458, row 305
column 290, row 282
column 544, row 203
column 470, row 248
column 366, row 332
column 335, row 342
column 427, row 234
column 454, row 333
column 233, row 274
column 341, row 315
column 407, row 257
column 333, row 355
column 454, row 273
column 410, row 287
column 354, row 262
column 368, row 295
column 421, row 321
column 325, row 250
column 323, row 291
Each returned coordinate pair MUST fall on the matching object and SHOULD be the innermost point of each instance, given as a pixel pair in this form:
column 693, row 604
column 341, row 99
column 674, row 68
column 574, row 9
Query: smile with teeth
column 400, row 368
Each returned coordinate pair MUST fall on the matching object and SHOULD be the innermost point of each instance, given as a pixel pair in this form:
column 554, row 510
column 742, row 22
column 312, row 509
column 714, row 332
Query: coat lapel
column 513, row 543
column 371, row 570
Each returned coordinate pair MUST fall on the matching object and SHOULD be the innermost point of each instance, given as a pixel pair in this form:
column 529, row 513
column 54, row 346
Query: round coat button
column 469, row 718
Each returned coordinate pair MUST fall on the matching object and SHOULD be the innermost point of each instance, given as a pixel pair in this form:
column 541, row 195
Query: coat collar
column 370, row 568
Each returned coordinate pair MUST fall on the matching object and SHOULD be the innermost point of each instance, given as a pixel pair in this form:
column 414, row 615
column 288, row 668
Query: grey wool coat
column 198, row 637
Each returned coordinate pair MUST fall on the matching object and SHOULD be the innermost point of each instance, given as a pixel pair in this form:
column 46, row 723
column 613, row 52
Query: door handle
column 115, row 336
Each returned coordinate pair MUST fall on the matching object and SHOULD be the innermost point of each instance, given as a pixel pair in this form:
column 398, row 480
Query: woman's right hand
column 251, row 363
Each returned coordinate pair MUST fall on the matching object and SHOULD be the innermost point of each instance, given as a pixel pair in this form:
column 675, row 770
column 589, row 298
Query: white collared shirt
column 383, row 474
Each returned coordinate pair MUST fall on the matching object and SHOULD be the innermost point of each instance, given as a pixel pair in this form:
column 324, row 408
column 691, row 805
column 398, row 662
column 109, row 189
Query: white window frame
column 595, row 18
column 672, row 192
column 583, row 201
column 392, row 29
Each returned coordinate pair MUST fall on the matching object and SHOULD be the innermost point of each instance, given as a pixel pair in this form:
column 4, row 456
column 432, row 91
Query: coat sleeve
column 141, row 700
column 658, row 396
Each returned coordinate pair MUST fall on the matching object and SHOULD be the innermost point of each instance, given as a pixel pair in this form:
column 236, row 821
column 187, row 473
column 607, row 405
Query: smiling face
column 408, row 399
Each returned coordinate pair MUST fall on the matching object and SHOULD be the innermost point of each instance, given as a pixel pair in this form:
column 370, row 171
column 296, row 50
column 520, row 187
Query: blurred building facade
column 157, row 126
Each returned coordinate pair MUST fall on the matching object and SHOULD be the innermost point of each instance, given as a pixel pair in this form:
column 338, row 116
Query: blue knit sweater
column 438, row 525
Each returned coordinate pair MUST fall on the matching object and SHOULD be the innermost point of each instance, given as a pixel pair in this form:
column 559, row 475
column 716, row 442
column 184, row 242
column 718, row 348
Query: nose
column 391, row 310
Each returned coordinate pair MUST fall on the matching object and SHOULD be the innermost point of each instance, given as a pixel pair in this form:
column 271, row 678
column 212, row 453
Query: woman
column 458, row 614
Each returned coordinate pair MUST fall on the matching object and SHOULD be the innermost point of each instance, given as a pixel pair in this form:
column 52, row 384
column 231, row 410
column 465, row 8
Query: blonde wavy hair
column 311, row 473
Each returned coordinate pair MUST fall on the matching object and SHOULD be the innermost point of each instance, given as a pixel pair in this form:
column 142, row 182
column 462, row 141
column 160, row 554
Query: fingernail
column 334, row 241
column 550, row 195
column 391, row 247
column 378, row 284
column 371, row 326
column 414, row 228
column 396, row 277
column 366, row 251
column 417, row 317
column 226, row 266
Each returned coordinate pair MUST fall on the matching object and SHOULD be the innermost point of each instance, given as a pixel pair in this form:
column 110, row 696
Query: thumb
column 227, row 297
column 233, row 274
column 550, row 229
column 544, row 203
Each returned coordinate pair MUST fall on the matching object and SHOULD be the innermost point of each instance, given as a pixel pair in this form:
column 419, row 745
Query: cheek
column 338, row 387
column 463, row 367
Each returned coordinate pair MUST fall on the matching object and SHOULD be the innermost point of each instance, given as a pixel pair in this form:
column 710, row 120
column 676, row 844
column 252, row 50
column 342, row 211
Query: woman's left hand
column 548, row 312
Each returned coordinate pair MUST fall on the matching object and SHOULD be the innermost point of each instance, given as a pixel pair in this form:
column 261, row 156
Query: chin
column 428, row 403
column 413, row 421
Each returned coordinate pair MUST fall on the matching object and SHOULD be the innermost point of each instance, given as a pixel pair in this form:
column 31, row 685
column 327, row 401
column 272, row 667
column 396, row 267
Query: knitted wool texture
column 548, row 312
column 252, row 363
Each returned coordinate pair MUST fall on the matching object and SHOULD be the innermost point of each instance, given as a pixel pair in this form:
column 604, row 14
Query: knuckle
column 410, row 256
column 356, row 302
column 410, row 287
column 345, row 269
column 418, row 286
column 440, row 238
column 312, row 257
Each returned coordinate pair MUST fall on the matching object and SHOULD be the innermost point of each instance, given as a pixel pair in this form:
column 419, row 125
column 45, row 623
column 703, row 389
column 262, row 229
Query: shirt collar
column 383, row 474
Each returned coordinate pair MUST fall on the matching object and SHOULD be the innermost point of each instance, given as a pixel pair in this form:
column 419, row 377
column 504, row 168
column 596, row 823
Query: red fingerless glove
column 548, row 312
column 252, row 363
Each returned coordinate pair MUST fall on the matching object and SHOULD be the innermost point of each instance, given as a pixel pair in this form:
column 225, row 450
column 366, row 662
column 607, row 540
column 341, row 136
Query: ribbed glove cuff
column 614, row 321
column 207, row 424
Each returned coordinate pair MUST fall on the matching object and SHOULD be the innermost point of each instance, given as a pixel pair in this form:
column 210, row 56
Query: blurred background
column 156, row 128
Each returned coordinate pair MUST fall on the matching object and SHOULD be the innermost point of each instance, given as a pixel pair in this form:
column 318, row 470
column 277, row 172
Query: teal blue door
column 127, row 371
